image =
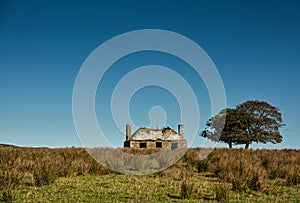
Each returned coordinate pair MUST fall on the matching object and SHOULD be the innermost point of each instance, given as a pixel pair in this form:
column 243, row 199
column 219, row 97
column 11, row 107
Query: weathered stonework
column 153, row 138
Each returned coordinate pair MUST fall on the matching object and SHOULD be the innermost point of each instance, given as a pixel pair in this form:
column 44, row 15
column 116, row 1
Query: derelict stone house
column 154, row 138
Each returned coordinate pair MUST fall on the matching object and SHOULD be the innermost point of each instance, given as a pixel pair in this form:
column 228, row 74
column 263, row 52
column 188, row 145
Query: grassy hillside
column 6, row 145
column 227, row 175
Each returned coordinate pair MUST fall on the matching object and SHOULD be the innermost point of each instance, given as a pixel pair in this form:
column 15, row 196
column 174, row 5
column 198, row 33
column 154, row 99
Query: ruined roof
column 156, row 134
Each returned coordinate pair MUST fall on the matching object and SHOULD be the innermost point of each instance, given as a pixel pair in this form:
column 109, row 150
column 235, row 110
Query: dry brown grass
column 41, row 166
column 238, row 170
column 254, row 170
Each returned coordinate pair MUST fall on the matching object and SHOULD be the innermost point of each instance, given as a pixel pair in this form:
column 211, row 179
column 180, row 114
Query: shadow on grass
column 174, row 196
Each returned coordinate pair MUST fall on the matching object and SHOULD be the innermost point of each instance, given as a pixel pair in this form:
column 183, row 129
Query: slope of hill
column 8, row 145
column 226, row 175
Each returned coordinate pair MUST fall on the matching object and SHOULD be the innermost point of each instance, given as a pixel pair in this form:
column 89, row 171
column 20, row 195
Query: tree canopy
column 251, row 121
column 263, row 122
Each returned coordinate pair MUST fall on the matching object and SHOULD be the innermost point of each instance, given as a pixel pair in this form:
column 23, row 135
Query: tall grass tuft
column 187, row 183
column 222, row 192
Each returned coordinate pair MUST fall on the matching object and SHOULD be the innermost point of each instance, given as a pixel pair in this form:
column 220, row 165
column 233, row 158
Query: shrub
column 222, row 192
column 254, row 183
column 202, row 166
column 6, row 196
column 187, row 185
column 293, row 178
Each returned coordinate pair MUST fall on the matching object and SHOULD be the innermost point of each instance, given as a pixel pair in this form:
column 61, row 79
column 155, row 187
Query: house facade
column 155, row 138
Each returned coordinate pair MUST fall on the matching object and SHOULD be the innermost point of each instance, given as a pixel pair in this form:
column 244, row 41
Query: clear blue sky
column 254, row 44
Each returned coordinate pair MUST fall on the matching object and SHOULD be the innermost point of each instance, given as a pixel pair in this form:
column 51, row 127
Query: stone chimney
column 180, row 130
column 128, row 132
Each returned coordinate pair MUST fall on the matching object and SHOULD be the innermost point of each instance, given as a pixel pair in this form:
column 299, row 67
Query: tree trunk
column 247, row 145
column 230, row 144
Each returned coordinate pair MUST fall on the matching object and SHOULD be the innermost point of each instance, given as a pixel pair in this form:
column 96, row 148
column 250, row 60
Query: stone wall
column 154, row 144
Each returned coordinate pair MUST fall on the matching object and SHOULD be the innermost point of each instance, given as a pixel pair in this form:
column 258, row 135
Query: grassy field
column 227, row 175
